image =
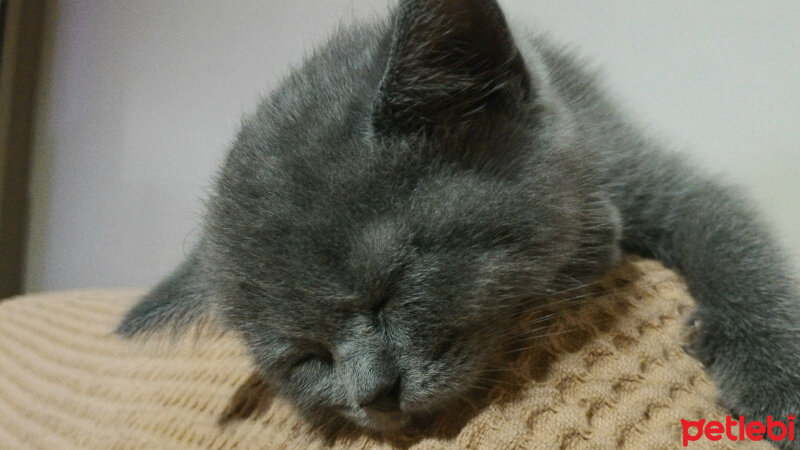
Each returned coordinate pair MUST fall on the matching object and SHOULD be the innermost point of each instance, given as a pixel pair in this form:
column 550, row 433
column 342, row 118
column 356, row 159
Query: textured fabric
column 607, row 372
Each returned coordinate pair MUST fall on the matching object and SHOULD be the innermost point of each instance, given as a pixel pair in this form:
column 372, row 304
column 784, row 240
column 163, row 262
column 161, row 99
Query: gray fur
column 391, row 208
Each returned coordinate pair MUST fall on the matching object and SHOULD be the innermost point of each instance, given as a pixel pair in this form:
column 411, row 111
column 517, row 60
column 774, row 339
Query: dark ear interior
column 174, row 304
column 450, row 61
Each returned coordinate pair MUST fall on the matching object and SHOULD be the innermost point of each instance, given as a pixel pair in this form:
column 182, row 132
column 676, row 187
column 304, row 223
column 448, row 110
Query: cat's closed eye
column 319, row 355
column 383, row 301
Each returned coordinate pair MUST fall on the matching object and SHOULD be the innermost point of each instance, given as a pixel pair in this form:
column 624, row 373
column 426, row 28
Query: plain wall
column 141, row 98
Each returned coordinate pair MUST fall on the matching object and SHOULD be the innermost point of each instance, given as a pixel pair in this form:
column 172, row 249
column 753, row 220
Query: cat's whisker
column 504, row 370
column 320, row 427
column 537, row 337
column 479, row 387
column 525, row 335
column 466, row 399
column 494, row 381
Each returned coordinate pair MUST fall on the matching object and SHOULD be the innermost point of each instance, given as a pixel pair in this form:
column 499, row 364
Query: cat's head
column 383, row 217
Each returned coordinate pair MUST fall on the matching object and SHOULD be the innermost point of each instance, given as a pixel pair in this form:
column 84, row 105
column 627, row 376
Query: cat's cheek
column 313, row 390
column 434, row 385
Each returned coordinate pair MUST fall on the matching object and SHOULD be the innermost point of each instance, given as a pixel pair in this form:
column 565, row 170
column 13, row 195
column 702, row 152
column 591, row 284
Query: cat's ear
column 450, row 61
column 173, row 305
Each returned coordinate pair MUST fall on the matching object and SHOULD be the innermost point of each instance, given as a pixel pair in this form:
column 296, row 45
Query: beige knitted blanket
column 609, row 373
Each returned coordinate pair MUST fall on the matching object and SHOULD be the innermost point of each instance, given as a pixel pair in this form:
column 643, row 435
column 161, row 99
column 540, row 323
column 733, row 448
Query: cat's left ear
column 451, row 62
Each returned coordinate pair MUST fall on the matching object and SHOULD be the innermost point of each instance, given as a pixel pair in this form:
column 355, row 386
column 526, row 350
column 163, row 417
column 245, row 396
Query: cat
column 394, row 204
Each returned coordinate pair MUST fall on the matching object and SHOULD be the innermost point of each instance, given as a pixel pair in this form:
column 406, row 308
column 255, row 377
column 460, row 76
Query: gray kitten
column 396, row 204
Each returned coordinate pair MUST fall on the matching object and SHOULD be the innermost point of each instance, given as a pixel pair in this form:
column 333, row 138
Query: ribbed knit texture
column 609, row 372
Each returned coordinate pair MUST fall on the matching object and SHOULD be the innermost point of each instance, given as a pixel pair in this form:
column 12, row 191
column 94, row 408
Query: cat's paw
column 754, row 378
column 768, row 402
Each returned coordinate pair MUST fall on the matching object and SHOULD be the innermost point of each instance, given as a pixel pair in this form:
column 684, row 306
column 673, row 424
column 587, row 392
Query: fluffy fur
column 388, row 212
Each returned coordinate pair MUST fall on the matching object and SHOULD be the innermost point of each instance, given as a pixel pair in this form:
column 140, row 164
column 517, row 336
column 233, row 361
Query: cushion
column 609, row 371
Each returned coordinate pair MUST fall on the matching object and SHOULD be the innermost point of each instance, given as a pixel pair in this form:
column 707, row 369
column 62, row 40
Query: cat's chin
column 380, row 422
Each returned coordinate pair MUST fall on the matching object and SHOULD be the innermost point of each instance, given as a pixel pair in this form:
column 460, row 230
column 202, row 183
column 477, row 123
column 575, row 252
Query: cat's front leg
column 748, row 317
column 755, row 366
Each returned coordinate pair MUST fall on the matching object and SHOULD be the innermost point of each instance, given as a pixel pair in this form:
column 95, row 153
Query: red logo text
column 738, row 430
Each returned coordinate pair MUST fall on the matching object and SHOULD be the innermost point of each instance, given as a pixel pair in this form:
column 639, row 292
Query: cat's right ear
column 451, row 63
column 173, row 305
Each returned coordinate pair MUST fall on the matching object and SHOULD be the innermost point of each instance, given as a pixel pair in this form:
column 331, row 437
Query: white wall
column 142, row 97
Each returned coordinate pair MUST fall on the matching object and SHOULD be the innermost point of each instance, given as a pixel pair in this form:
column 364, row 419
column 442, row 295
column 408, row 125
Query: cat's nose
column 384, row 398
